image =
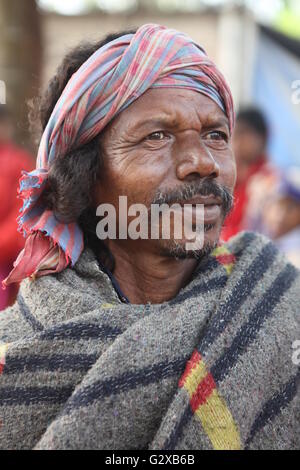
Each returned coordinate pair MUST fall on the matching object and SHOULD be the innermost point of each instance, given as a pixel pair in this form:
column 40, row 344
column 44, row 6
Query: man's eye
column 158, row 135
column 217, row 135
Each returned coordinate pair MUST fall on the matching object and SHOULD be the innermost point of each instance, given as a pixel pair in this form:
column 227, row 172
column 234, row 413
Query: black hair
column 255, row 119
column 72, row 177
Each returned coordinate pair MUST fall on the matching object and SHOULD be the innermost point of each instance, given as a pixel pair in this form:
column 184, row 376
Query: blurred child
column 254, row 173
column 282, row 216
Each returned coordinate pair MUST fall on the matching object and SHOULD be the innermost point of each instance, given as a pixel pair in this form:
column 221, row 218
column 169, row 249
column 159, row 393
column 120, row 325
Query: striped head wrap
column 108, row 82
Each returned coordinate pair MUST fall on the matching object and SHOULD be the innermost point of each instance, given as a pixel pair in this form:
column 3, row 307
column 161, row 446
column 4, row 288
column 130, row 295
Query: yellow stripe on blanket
column 225, row 257
column 209, row 406
column 108, row 305
column 218, row 423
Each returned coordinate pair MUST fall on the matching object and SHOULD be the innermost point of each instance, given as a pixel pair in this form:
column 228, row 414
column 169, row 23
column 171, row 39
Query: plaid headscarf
column 108, row 82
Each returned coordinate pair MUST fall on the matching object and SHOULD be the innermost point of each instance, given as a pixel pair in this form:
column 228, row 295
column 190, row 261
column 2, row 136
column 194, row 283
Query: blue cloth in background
column 275, row 70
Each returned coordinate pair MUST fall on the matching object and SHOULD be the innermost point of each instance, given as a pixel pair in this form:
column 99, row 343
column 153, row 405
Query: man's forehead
column 170, row 107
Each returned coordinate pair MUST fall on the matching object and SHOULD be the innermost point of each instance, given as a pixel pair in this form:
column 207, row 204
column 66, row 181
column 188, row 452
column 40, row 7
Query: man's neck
column 146, row 277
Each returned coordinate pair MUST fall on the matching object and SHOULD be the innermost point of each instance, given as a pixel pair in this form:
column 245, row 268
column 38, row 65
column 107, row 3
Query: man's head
column 147, row 116
column 250, row 135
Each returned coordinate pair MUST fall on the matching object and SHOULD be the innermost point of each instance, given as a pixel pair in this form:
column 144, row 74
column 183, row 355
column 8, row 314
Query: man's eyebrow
column 220, row 121
column 171, row 121
column 159, row 121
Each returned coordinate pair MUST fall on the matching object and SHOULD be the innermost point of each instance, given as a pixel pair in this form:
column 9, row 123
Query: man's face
column 163, row 147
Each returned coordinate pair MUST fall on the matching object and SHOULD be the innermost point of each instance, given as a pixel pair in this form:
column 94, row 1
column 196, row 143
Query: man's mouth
column 212, row 208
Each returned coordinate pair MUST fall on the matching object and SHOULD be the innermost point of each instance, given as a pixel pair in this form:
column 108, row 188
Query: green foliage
column 288, row 22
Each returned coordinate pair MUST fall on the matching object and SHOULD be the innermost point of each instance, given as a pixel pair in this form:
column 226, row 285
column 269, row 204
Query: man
column 255, row 176
column 12, row 161
column 136, row 343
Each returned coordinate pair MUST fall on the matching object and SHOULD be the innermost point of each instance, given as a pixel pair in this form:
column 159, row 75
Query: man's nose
column 194, row 159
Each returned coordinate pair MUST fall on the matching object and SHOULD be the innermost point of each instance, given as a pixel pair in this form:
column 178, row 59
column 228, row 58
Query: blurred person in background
column 255, row 176
column 12, row 161
column 282, row 215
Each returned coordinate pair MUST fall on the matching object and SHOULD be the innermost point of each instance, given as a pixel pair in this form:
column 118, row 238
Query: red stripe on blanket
column 226, row 259
column 195, row 359
column 204, row 390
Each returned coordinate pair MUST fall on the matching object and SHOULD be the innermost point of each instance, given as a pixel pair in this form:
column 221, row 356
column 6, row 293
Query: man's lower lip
column 211, row 213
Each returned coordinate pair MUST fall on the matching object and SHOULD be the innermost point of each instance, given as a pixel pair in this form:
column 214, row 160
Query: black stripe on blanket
column 125, row 382
column 27, row 315
column 248, row 238
column 62, row 362
column 250, row 329
column 176, row 433
column 10, row 396
column 274, row 406
column 239, row 294
column 207, row 265
column 213, row 284
column 80, row 331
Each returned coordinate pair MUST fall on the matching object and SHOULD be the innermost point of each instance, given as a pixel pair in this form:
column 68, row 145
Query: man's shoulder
column 39, row 302
column 266, row 284
column 248, row 243
column 263, row 270
column 12, row 325
column 55, row 298
column 252, row 245
column 256, row 257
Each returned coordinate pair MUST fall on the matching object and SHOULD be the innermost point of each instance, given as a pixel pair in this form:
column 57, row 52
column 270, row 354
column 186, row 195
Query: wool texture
column 210, row 369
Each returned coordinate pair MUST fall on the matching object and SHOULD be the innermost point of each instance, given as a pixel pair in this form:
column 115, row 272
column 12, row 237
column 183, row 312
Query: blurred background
column 255, row 43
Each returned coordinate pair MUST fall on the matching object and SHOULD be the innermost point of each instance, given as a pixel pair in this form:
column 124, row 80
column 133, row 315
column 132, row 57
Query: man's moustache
column 204, row 187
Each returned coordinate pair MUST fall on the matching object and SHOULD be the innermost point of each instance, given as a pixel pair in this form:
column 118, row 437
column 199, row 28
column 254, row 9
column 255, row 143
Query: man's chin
column 179, row 251
column 183, row 249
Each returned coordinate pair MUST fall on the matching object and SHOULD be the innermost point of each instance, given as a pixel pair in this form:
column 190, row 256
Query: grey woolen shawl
column 211, row 369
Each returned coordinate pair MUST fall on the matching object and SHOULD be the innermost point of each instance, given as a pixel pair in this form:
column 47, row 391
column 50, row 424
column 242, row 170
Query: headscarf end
column 40, row 256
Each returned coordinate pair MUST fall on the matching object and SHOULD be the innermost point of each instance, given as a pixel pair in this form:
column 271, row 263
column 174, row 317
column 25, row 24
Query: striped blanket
column 210, row 369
